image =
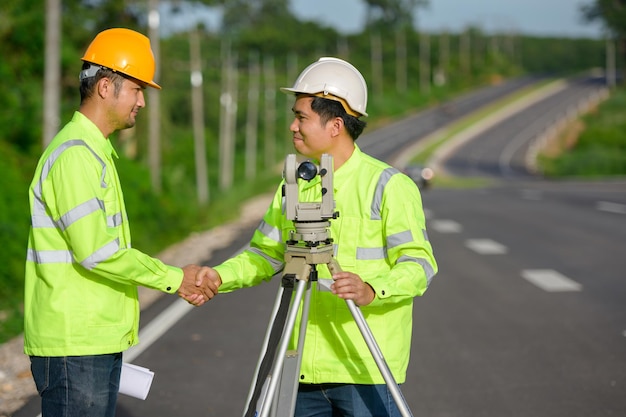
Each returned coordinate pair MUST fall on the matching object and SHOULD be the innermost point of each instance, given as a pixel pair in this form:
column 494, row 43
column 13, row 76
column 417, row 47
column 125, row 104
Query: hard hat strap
column 344, row 103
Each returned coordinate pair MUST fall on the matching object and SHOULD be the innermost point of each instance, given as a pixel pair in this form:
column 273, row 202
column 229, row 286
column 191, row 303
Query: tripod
column 275, row 386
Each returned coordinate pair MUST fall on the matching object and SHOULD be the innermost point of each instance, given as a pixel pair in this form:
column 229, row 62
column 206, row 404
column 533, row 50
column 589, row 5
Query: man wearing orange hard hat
column 81, row 306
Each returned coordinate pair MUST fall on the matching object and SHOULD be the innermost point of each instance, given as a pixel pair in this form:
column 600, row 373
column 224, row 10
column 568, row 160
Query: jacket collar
column 348, row 169
column 94, row 136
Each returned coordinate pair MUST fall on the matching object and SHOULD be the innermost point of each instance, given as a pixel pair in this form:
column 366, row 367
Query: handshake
column 200, row 284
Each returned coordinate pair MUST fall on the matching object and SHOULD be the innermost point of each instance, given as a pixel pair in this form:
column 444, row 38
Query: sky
column 534, row 17
column 555, row 18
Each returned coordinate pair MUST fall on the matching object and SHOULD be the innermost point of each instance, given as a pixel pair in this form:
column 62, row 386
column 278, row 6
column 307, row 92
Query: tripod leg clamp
column 297, row 267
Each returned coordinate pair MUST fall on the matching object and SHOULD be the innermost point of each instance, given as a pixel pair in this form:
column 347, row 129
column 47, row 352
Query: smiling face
column 311, row 137
column 125, row 104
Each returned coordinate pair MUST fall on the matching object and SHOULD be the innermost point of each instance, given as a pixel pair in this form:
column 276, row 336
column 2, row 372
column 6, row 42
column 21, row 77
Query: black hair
column 87, row 85
column 328, row 109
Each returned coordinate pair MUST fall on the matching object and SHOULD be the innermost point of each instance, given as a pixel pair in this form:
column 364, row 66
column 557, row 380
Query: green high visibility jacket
column 81, row 273
column 380, row 235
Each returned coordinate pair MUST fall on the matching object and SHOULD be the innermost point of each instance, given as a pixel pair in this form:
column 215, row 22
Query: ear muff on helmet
column 124, row 51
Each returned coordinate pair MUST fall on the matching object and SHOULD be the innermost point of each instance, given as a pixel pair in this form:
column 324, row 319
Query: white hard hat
column 334, row 79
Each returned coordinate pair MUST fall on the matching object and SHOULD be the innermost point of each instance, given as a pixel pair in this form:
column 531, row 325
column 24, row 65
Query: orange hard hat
column 124, row 51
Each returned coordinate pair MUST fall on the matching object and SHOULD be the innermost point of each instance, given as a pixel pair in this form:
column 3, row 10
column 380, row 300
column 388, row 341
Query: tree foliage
column 265, row 29
column 242, row 14
column 21, row 72
column 611, row 12
column 392, row 14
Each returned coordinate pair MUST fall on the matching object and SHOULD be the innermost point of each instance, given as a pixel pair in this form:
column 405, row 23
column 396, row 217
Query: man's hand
column 214, row 276
column 350, row 286
column 196, row 287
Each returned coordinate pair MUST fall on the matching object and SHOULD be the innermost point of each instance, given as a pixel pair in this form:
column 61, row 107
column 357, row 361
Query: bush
column 14, row 221
column 601, row 148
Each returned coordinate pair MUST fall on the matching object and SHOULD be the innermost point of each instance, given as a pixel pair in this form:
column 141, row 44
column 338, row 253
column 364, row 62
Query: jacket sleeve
column 264, row 257
column 77, row 197
column 409, row 251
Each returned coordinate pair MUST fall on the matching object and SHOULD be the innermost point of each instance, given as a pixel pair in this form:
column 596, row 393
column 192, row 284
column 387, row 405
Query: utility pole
column 154, row 133
column 197, row 109
column 401, row 61
column 441, row 75
column 464, row 52
column 228, row 114
column 292, row 73
column 52, row 74
column 377, row 63
column 269, row 75
column 252, row 120
column 343, row 49
column 424, row 63
column 610, row 63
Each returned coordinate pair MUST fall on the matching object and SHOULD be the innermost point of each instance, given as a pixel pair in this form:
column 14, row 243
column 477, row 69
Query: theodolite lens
column 307, row 170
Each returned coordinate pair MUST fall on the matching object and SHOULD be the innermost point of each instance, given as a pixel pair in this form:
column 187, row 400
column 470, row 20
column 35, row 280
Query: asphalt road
column 526, row 317
column 527, row 314
column 501, row 151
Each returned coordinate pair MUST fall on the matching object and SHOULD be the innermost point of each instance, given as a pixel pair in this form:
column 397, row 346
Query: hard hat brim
column 321, row 94
column 287, row 90
column 154, row 85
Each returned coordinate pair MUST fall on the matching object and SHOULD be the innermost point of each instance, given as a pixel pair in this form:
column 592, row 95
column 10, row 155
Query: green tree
column 613, row 14
column 21, row 72
column 241, row 14
column 392, row 14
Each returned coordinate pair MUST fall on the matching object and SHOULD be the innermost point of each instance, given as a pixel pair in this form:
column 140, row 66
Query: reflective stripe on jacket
column 81, row 273
column 380, row 235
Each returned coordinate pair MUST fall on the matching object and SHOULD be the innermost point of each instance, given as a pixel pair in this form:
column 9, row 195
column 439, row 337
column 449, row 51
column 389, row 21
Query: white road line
column 166, row 319
column 534, row 195
column 550, row 280
column 611, row 207
column 445, row 226
column 151, row 332
column 486, row 247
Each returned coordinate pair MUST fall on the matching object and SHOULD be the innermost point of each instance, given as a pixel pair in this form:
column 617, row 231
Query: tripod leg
column 377, row 354
column 271, row 381
column 379, row 359
column 288, row 391
column 269, row 335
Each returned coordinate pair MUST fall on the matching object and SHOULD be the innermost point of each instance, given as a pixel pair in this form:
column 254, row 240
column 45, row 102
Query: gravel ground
column 16, row 383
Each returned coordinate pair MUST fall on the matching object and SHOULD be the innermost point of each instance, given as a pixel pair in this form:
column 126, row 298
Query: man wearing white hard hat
column 380, row 242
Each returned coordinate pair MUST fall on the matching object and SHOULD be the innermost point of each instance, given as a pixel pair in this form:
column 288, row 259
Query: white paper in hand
column 135, row 381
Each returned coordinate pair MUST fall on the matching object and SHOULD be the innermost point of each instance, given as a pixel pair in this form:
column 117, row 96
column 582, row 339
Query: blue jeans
column 77, row 386
column 345, row 400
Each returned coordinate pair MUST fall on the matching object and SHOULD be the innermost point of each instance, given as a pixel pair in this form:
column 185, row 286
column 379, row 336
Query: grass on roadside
column 593, row 146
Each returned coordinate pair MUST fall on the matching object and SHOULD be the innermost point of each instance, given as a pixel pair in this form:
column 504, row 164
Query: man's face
column 310, row 137
column 125, row 105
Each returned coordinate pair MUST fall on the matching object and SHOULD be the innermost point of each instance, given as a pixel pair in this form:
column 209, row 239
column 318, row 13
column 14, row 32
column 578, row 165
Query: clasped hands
column 200, row 284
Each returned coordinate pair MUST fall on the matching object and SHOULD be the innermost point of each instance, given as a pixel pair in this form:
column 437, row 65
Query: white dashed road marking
column 550, row 280
column 445, row 226
column 534, row 195
column 486, row 246
column 611, row 207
